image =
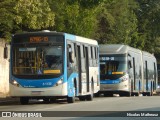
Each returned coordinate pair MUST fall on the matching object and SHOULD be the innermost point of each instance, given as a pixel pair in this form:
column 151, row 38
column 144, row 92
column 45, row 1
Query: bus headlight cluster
column 15, row 83
column 59, row 82
column 124, row 78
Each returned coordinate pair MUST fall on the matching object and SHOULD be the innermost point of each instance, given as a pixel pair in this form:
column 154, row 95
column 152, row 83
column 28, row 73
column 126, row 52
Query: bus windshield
column 112, row 67
column 37, row 59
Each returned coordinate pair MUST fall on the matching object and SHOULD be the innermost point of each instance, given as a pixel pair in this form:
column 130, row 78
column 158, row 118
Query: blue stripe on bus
column 70, row 37
column 41, row 83
column 71, row 87
column 110, row 81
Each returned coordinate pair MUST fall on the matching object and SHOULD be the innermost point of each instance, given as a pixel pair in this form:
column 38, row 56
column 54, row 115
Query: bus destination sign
column 38, row 39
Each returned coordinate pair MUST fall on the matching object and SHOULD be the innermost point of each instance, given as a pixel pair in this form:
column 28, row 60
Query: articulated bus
column 126, row 71
column 50, row 65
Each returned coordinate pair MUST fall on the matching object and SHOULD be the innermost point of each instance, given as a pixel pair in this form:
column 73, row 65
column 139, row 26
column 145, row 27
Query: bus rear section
column 150, row 74
column 41, row 67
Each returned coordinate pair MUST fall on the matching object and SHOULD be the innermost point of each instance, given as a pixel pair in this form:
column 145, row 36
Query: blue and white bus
column 51, row 65
column 126, row 71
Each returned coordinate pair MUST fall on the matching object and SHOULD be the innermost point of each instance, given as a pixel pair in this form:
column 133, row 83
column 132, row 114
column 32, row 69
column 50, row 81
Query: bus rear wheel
column 70, row 99
column 24, row 100
column 108, row 94
column 82, row 98
column 46, row 100
column 125, row 94
column 90, row 97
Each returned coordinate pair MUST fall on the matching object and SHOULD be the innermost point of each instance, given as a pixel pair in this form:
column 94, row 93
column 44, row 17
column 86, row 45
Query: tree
column 148, row 24
column 24, row 15
column 6, row 18
column 117, row 22
column 74, row 17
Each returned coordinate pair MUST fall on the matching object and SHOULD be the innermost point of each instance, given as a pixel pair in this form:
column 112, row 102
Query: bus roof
column 121, row 49
column 40, row 32
column 116, row 49
column 67, row 36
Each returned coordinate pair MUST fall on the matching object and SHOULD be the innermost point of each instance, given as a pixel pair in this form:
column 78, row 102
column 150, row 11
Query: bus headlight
column 124, row 78
column 15, row 83
column 59, row 82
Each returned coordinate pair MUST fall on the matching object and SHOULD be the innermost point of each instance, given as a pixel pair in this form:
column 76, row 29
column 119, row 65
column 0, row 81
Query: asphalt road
column 102, row 108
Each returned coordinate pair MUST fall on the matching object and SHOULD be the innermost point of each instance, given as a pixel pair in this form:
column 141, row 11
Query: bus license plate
column 36, row 92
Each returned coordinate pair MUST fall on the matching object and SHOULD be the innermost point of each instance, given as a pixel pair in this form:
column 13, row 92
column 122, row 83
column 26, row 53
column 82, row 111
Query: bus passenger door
column 130, row 71
column 146, row 71
column 79, row 67
column 87, row 67
column 70, row 59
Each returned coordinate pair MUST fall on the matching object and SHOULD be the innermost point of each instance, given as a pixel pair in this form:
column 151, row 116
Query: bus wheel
column 108, row 95
column 137, row 94
column 24, row 100
column 82, row 98
column 122, row 95
column 148, row 93
column 70, row 99
column 96, row 94
column 53, row 100
column 90, row 97
column 144, row 94
column 46, row 100
column 128, row 94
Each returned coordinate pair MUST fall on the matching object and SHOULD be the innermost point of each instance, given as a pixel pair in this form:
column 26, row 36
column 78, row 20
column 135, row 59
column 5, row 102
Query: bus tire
column 129, row 94
column 82, row 98
column 46, row 100
column 90, row 97
column 24, row 100
column 148, row 93
column 122, row 95
column 53, row 100
column 108, row 94
column 126, row 94
column 70, row 99
column 136, row 94
column 96, row 94
column 144, row 94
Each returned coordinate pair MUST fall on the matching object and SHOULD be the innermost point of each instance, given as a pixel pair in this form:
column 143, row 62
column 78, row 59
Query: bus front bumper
column 35, row 92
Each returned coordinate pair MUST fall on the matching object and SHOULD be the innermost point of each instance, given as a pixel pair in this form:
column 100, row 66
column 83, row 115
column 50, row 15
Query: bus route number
column 38, row 39
column 107, row 58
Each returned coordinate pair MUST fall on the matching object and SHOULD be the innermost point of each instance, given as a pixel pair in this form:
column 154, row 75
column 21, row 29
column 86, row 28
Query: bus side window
column 5, row 52
column 129, row 64
column 70, row 55
column 129, row 61
column 91, row 52
column 75, row 54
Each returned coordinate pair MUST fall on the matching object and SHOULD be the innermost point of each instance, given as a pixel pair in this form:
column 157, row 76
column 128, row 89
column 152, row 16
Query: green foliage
column 73, row 17
column 24, row 15
column 34, row 14
column 148, row 24
column 132, row 22
column 6, row 18
column 117, row 22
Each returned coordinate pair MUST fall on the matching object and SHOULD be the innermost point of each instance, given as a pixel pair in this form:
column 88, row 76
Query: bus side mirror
column 5, row 52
